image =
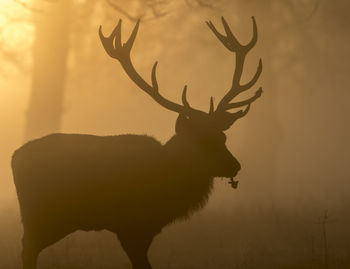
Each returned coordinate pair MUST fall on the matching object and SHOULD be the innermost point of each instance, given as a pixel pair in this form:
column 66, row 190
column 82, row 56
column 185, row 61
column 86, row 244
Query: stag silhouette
column 131, row 185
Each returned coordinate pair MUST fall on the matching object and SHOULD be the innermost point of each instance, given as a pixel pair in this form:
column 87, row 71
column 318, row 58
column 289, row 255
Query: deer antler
column 114, row 47
column 232, row 44
column 222, row 118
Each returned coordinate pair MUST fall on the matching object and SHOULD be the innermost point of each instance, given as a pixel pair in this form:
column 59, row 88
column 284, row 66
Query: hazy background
column 293, row 145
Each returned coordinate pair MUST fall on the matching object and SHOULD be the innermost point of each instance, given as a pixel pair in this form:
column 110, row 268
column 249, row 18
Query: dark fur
column 128, row 184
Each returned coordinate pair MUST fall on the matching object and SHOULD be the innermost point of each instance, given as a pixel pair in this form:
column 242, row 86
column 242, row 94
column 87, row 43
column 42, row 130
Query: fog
column 293, row 144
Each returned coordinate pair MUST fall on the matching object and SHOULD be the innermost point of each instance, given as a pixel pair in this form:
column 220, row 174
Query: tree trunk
column 50, row 54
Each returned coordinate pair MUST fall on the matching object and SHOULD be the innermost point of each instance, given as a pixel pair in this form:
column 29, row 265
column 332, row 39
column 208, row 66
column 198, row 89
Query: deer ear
column 181, row 123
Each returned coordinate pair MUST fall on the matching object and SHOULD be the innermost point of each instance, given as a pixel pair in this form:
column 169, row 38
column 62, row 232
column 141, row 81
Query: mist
column 293, row 190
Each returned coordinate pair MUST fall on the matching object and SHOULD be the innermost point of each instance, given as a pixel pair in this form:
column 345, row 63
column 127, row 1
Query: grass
column 245, row 239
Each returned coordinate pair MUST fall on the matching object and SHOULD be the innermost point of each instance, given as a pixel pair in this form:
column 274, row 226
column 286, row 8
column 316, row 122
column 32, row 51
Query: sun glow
column 11, row 6
column 16, row 2
column 16, row 29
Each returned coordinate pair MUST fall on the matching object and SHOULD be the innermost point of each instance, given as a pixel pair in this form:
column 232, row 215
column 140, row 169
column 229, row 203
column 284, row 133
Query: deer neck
column 186, row 156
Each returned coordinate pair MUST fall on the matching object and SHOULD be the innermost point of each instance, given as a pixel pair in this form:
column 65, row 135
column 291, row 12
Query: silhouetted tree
column 50, row 55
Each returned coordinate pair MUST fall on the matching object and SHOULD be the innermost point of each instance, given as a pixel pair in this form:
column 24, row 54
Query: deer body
column 105, row 182
column 130, row 185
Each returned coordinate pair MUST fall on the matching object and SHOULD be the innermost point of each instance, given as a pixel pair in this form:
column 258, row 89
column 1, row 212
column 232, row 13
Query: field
column 249, row 236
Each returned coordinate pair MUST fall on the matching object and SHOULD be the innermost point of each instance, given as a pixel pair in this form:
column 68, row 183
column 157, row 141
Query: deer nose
column 237, row 167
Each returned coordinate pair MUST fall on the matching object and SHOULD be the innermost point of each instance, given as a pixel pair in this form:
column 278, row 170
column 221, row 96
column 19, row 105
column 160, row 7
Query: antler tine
column 211, row 109
column 154, row 77
column 232, row 44
column 252, row 43
column 242, row 113
column 114, row 47
column 245, row 102
column 232, row 40
column 118, row 35
column 255, row 78
column 112, row 43
column 132, row 37
column 220, row 36
column 184, row 99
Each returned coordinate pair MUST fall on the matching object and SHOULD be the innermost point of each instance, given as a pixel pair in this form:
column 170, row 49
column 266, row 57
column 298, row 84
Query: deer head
column 204, row 131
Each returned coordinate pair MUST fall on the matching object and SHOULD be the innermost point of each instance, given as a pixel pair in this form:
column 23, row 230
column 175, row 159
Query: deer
column 131, row 185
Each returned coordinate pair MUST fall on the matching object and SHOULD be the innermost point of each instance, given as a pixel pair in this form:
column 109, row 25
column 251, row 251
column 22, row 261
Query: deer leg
column 35, row 240
column 30, row 252
column 136, row 246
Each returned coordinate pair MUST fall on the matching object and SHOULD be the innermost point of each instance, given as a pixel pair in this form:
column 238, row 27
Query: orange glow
column 16, row 29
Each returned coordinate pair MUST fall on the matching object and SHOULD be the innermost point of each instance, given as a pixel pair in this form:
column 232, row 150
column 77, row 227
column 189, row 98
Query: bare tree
column 50, row 54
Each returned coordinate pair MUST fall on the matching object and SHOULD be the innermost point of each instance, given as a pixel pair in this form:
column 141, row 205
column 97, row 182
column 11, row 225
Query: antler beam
column 114, row 47
column 232, row 44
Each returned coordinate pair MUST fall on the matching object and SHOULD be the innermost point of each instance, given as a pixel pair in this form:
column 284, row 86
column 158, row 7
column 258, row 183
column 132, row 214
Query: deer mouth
column 233, row 183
